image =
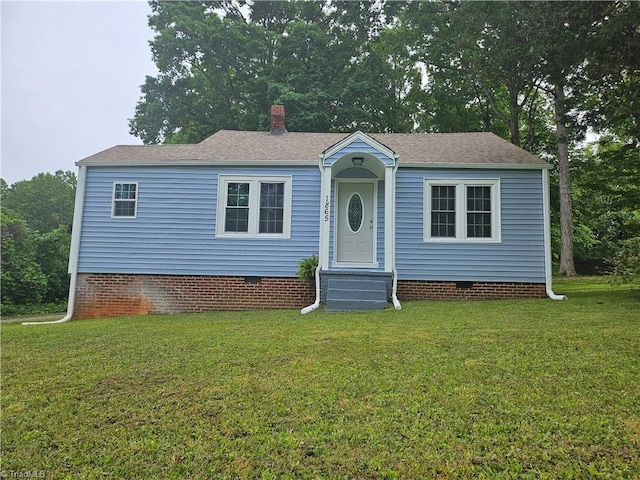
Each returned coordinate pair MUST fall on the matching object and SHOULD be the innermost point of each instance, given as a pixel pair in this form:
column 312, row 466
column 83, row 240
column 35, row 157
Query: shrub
column 626, row 263
column 307, row 267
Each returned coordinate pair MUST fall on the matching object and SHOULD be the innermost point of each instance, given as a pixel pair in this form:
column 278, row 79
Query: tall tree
column 208, row 69
column 21, row 277
column 222, row 64
column 480, row 53
column 561, row 33
column 611, row 77
column 510, row 52
column 45, row 202
column 36, row 234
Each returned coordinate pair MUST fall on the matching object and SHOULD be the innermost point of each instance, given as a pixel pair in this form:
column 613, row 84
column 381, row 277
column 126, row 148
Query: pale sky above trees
column 71, row 76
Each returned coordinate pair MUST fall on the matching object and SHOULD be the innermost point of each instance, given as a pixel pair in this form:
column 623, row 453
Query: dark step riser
column 338, row 294
column 348, row 306
column 356, row 285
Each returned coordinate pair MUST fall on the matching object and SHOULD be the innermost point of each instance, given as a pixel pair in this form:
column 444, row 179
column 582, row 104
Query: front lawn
column 497, row 389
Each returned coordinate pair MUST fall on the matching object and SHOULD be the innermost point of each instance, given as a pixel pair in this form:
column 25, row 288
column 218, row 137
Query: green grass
column 499, row 389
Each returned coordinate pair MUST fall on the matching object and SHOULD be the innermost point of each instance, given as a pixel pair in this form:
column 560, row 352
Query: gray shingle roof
column 240, row 146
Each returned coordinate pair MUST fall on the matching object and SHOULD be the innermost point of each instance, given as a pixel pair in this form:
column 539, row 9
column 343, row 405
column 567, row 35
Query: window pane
column 479, row 212
column 271, row 220
column 238, row 194
column 355, row 213
column 443, row 211
column 443, row 224
column 272, row 194
column 479, row 225
column 125, row 191
column 237, row 211
column 271, row 208
column 124, row 208
column 236, row 220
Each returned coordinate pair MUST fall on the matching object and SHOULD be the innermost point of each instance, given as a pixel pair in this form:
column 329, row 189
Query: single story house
column 223, row 224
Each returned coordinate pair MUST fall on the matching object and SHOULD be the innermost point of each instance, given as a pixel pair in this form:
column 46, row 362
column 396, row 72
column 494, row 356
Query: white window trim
column 461, row 185
column 254, row 182
column 114, row 200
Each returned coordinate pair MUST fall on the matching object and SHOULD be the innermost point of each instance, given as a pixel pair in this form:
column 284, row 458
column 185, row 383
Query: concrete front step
column 355, row 294
column 354, row 305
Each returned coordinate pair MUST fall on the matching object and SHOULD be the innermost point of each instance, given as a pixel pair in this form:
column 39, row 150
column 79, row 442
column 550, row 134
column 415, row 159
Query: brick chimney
column 277, row 120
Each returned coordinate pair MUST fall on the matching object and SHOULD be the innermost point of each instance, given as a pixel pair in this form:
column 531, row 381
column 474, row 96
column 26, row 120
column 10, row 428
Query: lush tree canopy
column 540, row 74
column 334, row 64
column 537, row 73
column 36, row 234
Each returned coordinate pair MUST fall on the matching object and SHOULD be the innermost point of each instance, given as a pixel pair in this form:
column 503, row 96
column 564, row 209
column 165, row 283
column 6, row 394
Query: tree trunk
column 514, row 114
column 567, row 266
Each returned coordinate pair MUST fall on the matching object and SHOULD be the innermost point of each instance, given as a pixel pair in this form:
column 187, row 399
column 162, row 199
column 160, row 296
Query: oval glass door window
column 355, row 213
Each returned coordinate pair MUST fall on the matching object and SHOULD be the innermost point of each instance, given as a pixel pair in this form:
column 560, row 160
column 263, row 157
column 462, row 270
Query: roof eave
column 475, row 166
column 196, row 163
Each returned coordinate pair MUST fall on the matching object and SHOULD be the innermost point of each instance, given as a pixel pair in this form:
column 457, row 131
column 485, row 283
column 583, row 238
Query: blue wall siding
column 357, row 147
column 174, row 231
column 518, row 258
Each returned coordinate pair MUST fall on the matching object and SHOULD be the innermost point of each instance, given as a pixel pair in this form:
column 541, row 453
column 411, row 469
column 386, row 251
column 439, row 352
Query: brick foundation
column 110, row 295
column 420, row 290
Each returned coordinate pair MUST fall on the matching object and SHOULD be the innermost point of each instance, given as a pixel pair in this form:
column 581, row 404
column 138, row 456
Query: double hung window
column 254, row 207
column 125, row 200
column 462, row 210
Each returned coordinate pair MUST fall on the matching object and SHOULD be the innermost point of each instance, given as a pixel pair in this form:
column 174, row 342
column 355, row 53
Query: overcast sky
column 71, row 76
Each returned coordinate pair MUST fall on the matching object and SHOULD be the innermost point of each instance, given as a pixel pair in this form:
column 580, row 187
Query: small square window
column 125, row 200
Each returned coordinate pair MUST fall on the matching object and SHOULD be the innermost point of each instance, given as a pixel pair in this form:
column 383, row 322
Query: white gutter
column 394, row 290
column 546, row 207
column 74, row 252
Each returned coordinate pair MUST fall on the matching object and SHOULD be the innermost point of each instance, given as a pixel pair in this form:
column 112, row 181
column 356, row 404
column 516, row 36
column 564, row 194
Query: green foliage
column 307, row 268
column 22, row 278
column 606, row 192
column 612, row 73
column 36, row 234
column 45, row 201
column 481, row 66
column 626, row 263
column 526, row 389
column 39, row 309
column 327, row 62
column 52, row 254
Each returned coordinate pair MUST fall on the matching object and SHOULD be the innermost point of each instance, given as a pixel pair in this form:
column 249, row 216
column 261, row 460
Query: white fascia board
column 476, row 166
column 198, row 163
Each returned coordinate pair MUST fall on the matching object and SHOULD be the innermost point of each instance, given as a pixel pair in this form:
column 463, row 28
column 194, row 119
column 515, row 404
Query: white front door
column 356, row 223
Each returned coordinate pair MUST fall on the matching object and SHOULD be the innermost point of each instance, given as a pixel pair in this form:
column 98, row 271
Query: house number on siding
column 326, row 209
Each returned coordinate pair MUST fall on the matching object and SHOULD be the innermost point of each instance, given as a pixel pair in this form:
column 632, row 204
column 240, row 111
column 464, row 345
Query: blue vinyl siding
column 358, row 147
column 174, row 232
column 518, row 258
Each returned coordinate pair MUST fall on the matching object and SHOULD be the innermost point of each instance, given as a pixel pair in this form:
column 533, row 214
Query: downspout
column 394, row 290
column 74, row 252
column 546, row 207
column 316, row 304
